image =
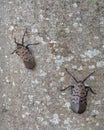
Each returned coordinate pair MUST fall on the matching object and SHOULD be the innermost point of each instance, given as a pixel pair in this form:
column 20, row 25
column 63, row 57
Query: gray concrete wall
column 71, row 35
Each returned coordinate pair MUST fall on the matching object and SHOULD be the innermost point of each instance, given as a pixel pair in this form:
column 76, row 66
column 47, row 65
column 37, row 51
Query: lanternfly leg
column 67, row 88
column 17, row 44
column 32, row 44
column 89, row 89
column 13, row 51
column 24, row 36
column 16, row 41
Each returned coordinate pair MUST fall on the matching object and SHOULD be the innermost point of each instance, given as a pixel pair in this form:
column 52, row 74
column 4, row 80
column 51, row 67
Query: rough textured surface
column 71, row 34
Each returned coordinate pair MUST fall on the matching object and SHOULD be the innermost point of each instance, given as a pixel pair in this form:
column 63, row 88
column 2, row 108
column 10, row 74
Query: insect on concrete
column 79, row 94
column 25, row 53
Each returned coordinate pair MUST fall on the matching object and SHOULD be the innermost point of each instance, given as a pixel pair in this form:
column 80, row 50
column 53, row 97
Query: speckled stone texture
column 71, row 35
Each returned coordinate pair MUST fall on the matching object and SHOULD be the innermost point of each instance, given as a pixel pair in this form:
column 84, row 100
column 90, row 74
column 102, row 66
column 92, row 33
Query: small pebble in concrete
column 55, row 119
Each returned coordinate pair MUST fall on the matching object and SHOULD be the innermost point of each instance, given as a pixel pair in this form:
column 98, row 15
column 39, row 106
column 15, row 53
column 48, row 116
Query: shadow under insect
column 25, row 53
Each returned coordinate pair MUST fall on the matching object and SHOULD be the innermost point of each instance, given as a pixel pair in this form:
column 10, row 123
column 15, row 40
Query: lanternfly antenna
column 88, row 76
column 71, row 75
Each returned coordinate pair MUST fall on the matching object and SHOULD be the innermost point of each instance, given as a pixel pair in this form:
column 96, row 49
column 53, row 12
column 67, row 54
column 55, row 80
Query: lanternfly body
column 25, row 53
column 79, row 94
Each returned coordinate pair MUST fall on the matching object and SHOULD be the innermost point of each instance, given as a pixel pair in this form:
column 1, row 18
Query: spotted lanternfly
column 79, row 94
column 25, row 53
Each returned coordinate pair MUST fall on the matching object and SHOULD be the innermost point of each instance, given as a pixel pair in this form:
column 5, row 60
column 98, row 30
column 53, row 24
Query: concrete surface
column 71, row 34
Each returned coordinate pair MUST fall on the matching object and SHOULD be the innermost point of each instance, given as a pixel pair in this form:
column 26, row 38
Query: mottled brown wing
column 30, row 64
column 29, row 60
column 27, row 57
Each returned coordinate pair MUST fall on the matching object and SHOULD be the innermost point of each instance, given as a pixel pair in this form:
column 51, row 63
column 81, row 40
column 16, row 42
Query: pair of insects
column 79, row 90
column 25, row 53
